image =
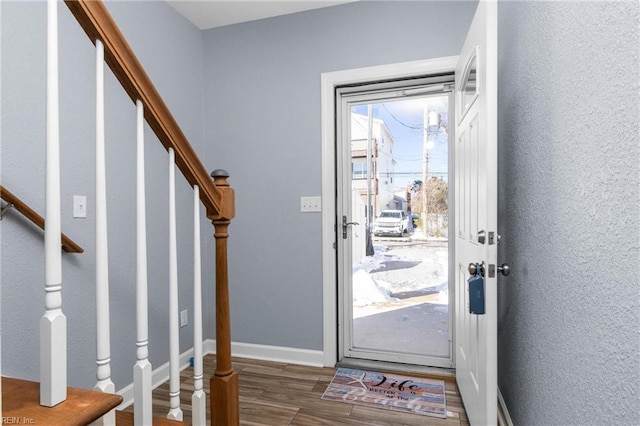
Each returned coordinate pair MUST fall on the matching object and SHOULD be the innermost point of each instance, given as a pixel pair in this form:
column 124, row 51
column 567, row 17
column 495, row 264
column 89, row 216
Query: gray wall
column 262, row 122
column 171, row 50
column 568, row 129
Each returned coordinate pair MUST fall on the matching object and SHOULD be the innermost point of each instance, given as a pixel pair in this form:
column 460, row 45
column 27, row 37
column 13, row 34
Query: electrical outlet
column 184, row 318
column 80, row 206
column 310, row 204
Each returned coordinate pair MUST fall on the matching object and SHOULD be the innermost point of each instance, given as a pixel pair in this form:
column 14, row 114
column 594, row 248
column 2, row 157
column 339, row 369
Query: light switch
column 310, row 204
column 79, row 206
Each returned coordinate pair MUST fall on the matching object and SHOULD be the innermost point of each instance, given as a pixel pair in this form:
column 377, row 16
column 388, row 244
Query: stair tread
column 125, row 418
column 21, row 400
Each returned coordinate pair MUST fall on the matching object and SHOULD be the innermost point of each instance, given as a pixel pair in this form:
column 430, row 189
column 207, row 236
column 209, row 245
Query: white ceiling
column 206, row 14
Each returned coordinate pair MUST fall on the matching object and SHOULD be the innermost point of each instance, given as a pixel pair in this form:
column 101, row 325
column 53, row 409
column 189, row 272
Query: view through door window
column 400, row 190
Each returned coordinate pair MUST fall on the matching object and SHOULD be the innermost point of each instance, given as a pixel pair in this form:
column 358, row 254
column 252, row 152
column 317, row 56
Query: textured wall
column 176, row 69
column 569, row 209
column 262, row 121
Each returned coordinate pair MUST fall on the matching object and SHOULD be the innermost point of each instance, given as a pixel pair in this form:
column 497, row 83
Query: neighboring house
column 400, row 200
column 247, row 96
column 382, row 162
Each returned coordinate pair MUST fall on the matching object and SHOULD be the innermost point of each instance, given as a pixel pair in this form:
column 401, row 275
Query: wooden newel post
column 225, row 408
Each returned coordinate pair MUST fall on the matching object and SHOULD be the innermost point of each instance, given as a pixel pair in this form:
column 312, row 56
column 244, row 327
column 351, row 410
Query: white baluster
column 0, row 333
column 199, row 398
column 53, row 324
column 142, row 385
column 175, row 413
column 103, row 350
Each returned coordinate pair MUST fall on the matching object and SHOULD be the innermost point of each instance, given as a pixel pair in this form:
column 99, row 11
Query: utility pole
column 425, row 170
column 369, row 242
column 431, row 118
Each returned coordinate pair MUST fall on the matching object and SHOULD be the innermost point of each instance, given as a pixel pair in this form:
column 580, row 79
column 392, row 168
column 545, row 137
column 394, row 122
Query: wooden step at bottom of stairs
column 21, row 402
column 125, row 418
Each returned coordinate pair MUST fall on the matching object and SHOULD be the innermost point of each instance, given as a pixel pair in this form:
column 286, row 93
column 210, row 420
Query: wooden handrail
column 96, row 21
column 218, row 197
column 67, row 244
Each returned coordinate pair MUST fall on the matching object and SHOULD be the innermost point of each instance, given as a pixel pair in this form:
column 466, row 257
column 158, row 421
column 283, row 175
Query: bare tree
column 437, row 193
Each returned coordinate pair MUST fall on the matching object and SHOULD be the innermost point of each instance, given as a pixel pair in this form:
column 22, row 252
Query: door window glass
column 469, row 86
column 398, row 303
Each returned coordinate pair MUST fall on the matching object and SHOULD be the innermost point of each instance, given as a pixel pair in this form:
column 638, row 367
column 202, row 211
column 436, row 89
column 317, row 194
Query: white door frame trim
column 328, row 82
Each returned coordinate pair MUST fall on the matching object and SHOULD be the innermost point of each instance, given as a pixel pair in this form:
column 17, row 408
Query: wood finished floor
column 273, row 393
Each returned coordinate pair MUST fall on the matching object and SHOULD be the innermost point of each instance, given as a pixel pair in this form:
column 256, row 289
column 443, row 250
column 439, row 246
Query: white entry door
column 476, row 214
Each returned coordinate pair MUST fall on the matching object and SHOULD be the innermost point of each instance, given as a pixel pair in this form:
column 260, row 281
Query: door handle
column 504, row 269
column 345, row 226
column 473, row 269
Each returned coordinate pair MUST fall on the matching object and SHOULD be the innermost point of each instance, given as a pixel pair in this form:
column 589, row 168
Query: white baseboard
column 242, row 350
column 159, row 376
column 504, row 419
column 209, row 346
column 278, row 354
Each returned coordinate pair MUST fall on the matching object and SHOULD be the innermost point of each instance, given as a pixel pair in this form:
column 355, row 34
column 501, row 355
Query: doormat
column 389, row 391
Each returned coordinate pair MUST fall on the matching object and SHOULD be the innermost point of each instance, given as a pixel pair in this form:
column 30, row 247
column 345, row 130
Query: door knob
column 504, row 269
column 473, row 269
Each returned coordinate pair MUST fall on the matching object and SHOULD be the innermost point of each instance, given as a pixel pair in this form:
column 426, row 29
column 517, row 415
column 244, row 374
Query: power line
column 405, row 125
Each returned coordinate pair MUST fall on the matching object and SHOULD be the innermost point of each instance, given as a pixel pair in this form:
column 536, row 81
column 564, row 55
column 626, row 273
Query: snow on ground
column 365, row 289
column 401, row 299
column 399, row 272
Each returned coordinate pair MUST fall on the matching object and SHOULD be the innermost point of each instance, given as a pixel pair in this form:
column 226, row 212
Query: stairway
column 21, row 399
column 21, row 405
